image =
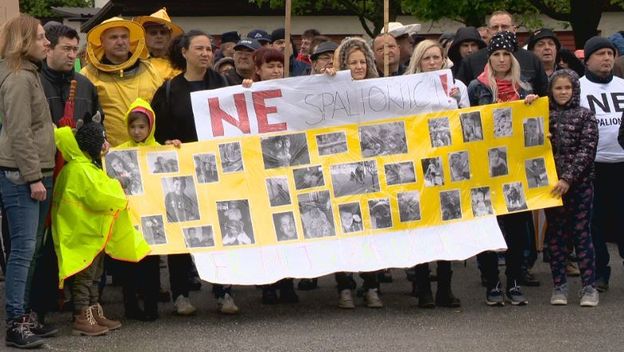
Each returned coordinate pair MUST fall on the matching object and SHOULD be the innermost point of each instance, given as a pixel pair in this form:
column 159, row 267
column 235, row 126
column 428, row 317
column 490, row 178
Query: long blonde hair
column 513, row 75
column 419, row 52
column 17, row 38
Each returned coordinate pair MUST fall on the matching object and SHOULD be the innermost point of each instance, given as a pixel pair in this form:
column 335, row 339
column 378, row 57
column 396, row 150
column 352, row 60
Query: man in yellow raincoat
column 119, row 69
column 159, row 30
column 89, row 217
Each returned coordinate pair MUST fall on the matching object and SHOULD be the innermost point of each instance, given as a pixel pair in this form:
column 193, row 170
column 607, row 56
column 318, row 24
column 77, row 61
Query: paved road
column 315, row 324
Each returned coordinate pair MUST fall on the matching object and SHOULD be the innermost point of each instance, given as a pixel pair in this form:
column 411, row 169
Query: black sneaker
column 515, row 296
column 494, row 296
column 527, row 279
column 18, row 334
column 39, row 328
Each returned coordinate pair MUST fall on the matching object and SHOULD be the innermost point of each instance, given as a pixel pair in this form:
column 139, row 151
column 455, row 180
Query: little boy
column 89, row 214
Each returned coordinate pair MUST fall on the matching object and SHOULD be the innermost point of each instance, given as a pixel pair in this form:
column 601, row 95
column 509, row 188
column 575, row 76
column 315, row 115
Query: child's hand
column 530, row 99
column 560, row 189
column 454, row 92
column 247, row 83
column 175, row 142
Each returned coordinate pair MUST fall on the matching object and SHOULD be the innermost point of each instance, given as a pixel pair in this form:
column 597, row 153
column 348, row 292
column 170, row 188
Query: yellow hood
column 144, row 107
column 95, row 51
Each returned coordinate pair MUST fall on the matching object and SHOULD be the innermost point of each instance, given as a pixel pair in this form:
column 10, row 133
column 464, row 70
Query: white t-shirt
column 606, row 100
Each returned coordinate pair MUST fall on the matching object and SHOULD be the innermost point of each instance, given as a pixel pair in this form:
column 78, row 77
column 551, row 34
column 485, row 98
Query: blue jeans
column 23, row 214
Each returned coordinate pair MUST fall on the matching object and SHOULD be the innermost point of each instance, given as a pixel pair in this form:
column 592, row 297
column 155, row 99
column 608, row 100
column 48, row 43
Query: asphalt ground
column 316, row 324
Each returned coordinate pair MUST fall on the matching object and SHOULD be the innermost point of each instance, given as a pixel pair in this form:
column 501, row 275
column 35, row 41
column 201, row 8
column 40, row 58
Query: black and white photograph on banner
column 235, row 222
column 351, row 217
column 331, row 143
column 285, row 228
column 459, row 164
column 163, row 162
column 514, row 196
column 383, row 139
column 285, row 150
column 433, row 173
column 400, row 173
column 277, row 189
column 536, row 172
column 197, row 237
column 355, row 178
column 123, row 166
column 481, row 201
column 497, row 158
column 409, row 206
column 439, row 132
column 533, row 131
column 206, row 168
column 450, row 203
column 153, row 228
column 472, row 128
column 503, row 126
column 231, row 157
column 180, row 198
column 380, row 214
column 317, row 216
column 309, row 177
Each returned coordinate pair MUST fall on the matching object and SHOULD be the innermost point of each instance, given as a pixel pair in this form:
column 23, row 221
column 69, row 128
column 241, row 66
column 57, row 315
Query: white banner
column 313, row 102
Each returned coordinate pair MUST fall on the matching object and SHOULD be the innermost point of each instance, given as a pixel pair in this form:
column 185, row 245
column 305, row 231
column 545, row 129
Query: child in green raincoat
column 89, row 217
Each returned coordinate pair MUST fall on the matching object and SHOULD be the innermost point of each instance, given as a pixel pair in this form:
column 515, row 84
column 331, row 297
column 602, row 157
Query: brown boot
column 85, row 324
column 98, row 314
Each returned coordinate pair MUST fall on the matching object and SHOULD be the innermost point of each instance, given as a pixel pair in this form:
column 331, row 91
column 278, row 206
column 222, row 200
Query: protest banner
column 351, row 193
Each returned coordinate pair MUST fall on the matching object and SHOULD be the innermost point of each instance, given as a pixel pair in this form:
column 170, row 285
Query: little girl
column 574, row 137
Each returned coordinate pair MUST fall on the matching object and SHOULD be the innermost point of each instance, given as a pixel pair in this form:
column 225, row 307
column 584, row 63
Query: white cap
column 397, row 29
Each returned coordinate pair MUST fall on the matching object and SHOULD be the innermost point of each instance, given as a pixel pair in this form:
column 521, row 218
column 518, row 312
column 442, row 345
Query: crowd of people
column 134, row 90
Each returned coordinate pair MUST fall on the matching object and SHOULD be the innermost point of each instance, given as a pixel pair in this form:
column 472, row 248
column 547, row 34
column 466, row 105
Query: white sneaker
column 346, row 300
column 372, row 299
column 226, row 305
column 183, row 306
column 589, row 297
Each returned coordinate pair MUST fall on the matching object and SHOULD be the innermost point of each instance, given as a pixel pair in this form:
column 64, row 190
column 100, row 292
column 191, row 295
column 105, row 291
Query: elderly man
column 323, row 57
column 244, row 66
column 545, row 45
column 603, row 93
column 119, row 70
column 394, row 55
column 159, row 30
column 531, row 67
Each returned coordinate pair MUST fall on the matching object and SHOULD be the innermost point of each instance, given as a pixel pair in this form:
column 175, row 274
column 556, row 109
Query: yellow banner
column 373, row 178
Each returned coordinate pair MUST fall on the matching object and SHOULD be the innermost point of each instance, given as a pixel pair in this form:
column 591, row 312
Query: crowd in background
column 134, row 90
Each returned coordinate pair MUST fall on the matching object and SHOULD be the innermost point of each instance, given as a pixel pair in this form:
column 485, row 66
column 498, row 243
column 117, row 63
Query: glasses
column 158, row 32
column 70, row 49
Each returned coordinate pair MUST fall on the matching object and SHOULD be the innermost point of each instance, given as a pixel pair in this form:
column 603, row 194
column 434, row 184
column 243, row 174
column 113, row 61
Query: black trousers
column 515, row 227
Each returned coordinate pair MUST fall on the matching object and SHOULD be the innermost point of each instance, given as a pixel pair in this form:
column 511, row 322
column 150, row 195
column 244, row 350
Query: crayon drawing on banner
column 357, row 196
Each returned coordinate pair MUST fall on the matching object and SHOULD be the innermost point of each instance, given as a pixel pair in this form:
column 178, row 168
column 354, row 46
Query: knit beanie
column 90, row 138
column 596, row 43
column 503, row 40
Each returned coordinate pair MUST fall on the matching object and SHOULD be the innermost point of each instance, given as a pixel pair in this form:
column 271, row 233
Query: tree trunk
column 584, row 18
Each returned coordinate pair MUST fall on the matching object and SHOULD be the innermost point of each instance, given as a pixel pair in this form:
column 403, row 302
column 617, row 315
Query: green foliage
column 42, row 8
column 369, row 12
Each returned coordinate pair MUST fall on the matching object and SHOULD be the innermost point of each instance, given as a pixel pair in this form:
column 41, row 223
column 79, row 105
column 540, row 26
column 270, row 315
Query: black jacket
column 464, row 34
column 56, row 88
column 530, row 66
column 174, row 112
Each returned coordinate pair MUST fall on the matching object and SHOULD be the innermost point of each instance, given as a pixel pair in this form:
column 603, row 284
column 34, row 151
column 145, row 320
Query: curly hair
column 348, row 46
